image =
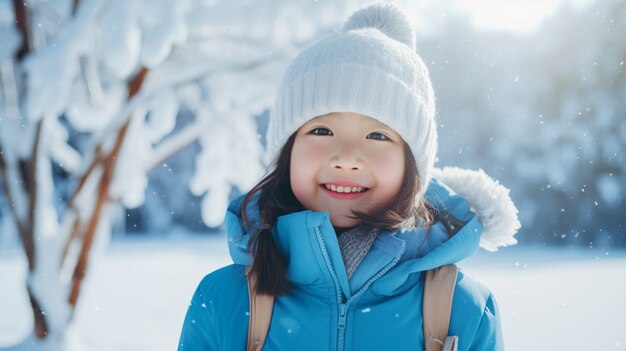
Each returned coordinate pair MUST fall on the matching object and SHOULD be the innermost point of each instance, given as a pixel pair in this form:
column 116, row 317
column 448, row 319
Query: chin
column 343, row 222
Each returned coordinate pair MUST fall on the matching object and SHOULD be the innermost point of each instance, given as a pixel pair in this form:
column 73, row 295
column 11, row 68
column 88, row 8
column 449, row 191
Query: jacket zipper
column 345, row 306
column 342, row 306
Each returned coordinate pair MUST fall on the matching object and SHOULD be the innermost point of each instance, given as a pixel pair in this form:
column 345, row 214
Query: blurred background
column 126, row 128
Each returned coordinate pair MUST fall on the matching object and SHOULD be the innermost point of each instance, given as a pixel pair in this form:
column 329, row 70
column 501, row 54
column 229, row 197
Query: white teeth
column 341, row 189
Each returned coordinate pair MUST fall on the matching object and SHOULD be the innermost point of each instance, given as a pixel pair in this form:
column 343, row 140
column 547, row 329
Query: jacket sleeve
column 198, row 333
column 488, row 337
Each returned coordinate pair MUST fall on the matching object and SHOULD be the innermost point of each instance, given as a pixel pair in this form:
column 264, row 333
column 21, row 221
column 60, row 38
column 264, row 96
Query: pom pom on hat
column 387, row 18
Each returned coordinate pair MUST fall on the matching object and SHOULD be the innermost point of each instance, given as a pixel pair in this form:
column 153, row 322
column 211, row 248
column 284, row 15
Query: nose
column 347, row 160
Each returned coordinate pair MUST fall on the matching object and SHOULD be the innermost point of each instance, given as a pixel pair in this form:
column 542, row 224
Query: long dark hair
column 269, row 266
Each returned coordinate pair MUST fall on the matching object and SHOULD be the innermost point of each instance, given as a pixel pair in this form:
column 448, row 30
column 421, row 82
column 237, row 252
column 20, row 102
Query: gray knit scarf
column 354, row 244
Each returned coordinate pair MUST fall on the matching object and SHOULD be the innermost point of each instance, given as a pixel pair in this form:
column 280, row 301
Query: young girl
column 353, row 213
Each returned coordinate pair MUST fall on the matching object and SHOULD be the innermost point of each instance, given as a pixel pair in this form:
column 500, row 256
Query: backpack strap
column 437, row 305
column 261, row 307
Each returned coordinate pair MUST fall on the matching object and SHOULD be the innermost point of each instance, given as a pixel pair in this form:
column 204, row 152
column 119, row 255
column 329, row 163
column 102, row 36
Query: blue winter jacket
column 378, row 308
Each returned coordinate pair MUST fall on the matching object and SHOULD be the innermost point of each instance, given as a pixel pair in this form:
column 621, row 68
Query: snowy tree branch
column 29, row 234
column 41, row 325
column 75, row 4
column 21, row 227
column 131, row 124
column 97, row 160
column 102, row 197
column 101, row 200
column 175, row 144
column 21, row 22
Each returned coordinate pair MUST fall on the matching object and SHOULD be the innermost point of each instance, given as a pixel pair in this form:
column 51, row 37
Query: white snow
column 120, row 39
column 58, row 149
column 87, row 115
column 217, row 171
column 10, row 41
column 164, row 25
column 163, row 110
column 141, row 33
column 552, row 299
column 549, row 299
column 130, row 179
column 58, row 62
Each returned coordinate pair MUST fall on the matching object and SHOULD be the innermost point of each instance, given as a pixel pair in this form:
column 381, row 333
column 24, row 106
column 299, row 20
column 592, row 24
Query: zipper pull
column 342, row 316
column 342, row 309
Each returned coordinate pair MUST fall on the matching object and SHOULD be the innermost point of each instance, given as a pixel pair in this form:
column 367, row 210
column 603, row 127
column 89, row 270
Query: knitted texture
column 354, row 245
column 371, row 68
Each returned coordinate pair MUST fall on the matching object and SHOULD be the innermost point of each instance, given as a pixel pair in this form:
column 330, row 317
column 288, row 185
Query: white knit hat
column 370, row 68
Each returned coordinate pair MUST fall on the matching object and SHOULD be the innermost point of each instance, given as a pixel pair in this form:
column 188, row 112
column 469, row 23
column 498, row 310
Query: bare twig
column 137, row 82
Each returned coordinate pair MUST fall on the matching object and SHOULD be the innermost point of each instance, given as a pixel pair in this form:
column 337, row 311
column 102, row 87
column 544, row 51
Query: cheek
column 390, row 172
column 305, row 160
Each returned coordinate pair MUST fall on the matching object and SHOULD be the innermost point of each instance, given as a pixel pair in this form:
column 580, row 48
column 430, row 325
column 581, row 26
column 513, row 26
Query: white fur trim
column 489, row 200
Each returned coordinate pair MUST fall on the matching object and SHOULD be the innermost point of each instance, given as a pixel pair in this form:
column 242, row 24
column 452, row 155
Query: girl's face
column 344, row 150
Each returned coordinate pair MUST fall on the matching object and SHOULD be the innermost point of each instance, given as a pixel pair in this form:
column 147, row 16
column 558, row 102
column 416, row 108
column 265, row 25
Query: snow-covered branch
column 175, row 144
column 117, row 74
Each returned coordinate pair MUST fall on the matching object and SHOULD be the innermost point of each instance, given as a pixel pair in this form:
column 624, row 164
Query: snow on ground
column 553, row 299
column 550, row 299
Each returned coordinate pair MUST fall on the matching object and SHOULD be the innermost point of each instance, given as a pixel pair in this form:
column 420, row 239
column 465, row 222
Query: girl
column 353, row 213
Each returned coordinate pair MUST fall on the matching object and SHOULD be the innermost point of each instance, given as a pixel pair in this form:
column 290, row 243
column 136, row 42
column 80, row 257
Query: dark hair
column 269, row 266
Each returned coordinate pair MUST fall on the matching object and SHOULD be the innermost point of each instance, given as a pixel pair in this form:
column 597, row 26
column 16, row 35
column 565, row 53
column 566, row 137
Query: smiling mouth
column 344, row 192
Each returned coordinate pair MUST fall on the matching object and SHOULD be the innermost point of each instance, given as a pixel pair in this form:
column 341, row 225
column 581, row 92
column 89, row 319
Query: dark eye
column 378, row 136
column 322, row 131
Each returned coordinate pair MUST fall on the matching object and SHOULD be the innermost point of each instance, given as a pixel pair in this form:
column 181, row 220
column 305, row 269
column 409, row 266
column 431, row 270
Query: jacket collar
column 309, row 244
